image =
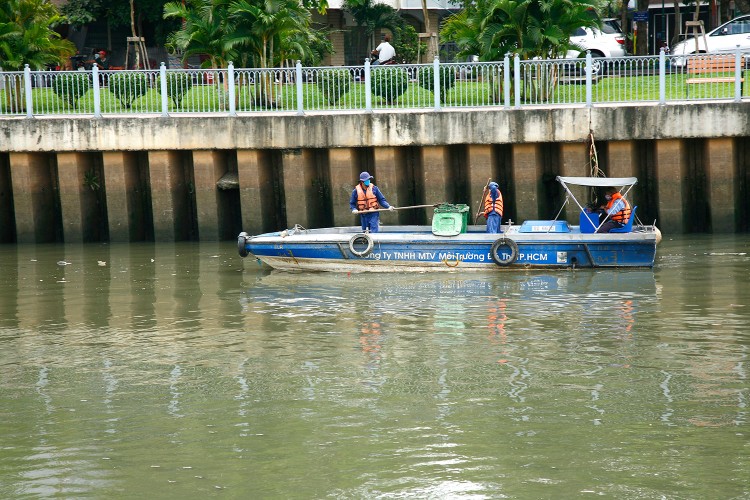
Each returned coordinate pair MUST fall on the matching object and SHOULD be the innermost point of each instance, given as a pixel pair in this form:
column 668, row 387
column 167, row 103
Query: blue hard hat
column 364, row 176
column 493, row 185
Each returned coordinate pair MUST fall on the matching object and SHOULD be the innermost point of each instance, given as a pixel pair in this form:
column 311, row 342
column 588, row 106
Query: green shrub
column 127, row 86
column 407, row 44
column 426, row 79
column 71, row 86
column 333, row 83
column 178, row 84
column 389, row 83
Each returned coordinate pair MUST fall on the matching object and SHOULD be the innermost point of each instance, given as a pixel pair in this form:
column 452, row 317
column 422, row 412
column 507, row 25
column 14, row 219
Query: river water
column 183, row 371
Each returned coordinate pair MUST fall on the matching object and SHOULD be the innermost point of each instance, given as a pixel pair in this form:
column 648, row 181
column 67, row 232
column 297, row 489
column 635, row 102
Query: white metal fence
column 511, row 83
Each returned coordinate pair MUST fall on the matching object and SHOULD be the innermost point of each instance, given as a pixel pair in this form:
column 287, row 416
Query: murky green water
column 142, row 371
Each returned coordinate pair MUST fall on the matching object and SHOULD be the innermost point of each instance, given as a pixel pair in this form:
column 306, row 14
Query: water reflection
column 114, row 295
column 566, row 315
column 139, row 368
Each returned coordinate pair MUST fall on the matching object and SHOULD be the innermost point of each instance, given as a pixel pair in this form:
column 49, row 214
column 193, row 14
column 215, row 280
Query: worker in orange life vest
column 616, row 207
column 366, row 196
column 493, row 208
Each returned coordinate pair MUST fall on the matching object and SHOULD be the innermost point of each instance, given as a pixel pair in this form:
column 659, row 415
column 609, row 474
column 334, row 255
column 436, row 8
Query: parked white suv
column 725, row 38
column 607, row 42
column 602, row 43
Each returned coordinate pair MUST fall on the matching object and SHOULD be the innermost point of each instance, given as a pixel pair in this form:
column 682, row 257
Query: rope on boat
column 588, row 254
column 445, row 261
column 594, row 170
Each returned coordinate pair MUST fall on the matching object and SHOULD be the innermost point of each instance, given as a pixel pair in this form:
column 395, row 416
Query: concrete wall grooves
column 686, row 185
column 36, row 206
column 742, row 186
column 7, row 214
column 697, row 213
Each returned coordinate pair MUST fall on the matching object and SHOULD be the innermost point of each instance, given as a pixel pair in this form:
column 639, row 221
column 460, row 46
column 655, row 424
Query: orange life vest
column 497, row 206
column 623, row 215
column 366, row 199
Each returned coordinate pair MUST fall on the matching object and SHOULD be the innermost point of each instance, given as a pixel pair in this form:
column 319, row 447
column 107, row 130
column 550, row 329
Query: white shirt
column 385, row 52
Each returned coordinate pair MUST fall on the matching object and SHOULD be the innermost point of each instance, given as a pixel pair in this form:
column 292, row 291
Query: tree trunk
column 140, row 47
column 625, row 24
column 264, row 89
column 431, row 48
column 134, row 35
column 677, row 24
column 641, row 43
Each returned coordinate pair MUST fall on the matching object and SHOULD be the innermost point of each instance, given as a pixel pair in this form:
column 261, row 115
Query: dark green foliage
column 373, row 16
column 71, row 86
column 117, row 14
column 91, row 180
column 27, row 35
column 333, row 83
column 128, row 87
column 389, row 83
column 426, row 79
column 530, row 28
column 82, row 12
column 407, row 44
column 178, row 84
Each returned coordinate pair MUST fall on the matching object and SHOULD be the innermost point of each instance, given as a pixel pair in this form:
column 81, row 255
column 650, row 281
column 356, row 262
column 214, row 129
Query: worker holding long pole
column 366, row 200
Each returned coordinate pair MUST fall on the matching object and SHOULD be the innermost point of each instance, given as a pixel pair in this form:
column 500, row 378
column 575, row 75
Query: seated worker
column 385, row 51
column 616, row 211
column 366, row 196
column 493, row 208
column 101, row 59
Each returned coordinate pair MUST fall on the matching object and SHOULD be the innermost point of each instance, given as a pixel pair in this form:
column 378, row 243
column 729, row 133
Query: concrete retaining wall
column 155, row 178
column 399, row 128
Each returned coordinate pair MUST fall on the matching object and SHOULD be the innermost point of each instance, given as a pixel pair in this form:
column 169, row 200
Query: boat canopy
column 624, row 183
column 598, row 181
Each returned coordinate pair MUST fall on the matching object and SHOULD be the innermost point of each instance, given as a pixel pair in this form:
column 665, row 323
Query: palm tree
column 259, row 33
column 372, row 17
column 269, row 31
column 205, row 27
column 529, row 28
column 309, row 46
column 263, row 25
column 464, row 28
column 27, row 37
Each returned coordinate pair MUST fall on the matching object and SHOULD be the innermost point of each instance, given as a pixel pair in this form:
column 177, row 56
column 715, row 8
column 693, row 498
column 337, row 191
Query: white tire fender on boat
column 242, row 244
column 512, row 248
column 359, row 237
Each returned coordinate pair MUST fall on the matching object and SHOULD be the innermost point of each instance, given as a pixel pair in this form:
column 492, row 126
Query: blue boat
column 452, row 245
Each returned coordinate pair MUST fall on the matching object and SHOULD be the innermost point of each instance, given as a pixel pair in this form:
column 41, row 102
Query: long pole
column 396, row 208
column 481, row 202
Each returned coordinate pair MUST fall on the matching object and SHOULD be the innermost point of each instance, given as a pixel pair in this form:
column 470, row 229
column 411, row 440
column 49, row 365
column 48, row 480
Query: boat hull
column 415, row 248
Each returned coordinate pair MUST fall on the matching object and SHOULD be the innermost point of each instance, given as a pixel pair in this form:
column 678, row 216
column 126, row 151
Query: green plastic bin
column 450, row 220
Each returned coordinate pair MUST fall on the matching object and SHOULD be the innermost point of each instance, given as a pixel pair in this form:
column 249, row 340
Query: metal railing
column 511, row 83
